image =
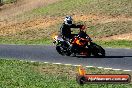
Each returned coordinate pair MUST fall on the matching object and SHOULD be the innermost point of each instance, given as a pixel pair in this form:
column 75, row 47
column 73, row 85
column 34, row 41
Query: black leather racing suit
column 65, row 30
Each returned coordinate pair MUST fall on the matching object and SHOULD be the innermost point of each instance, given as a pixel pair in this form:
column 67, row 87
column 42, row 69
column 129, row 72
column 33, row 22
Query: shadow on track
column 117, row 56
column 102, row 57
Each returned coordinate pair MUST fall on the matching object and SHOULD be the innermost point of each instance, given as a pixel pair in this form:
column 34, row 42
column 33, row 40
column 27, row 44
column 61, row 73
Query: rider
column 66, row 28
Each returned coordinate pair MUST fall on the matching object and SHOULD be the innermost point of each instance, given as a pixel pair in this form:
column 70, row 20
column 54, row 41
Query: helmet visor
column 69, row 22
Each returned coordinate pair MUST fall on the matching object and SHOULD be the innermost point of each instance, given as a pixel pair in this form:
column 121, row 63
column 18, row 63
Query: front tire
column 98, row 51
column 68, row 53
column 60, row 50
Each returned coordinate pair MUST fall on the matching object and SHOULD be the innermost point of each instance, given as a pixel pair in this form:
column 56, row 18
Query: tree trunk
column 1, row 3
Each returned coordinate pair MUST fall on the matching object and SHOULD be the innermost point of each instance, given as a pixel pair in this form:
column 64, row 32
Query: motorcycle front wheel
column 98, row 51
column 60, row 50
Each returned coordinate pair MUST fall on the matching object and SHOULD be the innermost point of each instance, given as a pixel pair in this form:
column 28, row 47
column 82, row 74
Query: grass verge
column 43, row 41
column 116, row 43
column 25, row 74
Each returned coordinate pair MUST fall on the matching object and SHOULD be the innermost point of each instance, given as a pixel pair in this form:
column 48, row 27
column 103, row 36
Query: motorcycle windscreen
column 60, row 38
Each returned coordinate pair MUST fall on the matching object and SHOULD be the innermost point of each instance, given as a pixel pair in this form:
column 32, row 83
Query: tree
column 1, row 3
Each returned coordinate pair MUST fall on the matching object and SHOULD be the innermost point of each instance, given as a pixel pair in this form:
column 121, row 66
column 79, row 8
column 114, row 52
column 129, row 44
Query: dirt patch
column 85, row 17
column 127, row 36
column 101, row 19
column 8, row 11
column 22, row 6
column 27, row 25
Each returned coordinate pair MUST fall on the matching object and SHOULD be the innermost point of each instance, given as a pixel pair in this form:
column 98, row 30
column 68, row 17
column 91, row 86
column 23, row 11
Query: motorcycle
column 80, row 44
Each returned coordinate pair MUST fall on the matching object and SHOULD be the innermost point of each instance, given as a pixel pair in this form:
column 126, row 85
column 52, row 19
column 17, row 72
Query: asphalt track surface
column 115, row 58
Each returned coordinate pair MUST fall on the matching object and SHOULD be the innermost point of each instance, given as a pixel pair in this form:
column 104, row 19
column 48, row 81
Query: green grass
column 23, row 74
column 48, row 41
column 60, row 8
column 42, row 41
column 71, row 7
column 8, row 1
column 105, row 7
column 116, row 43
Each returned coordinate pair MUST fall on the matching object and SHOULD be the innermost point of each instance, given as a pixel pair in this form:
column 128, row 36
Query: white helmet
column 68, row 20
